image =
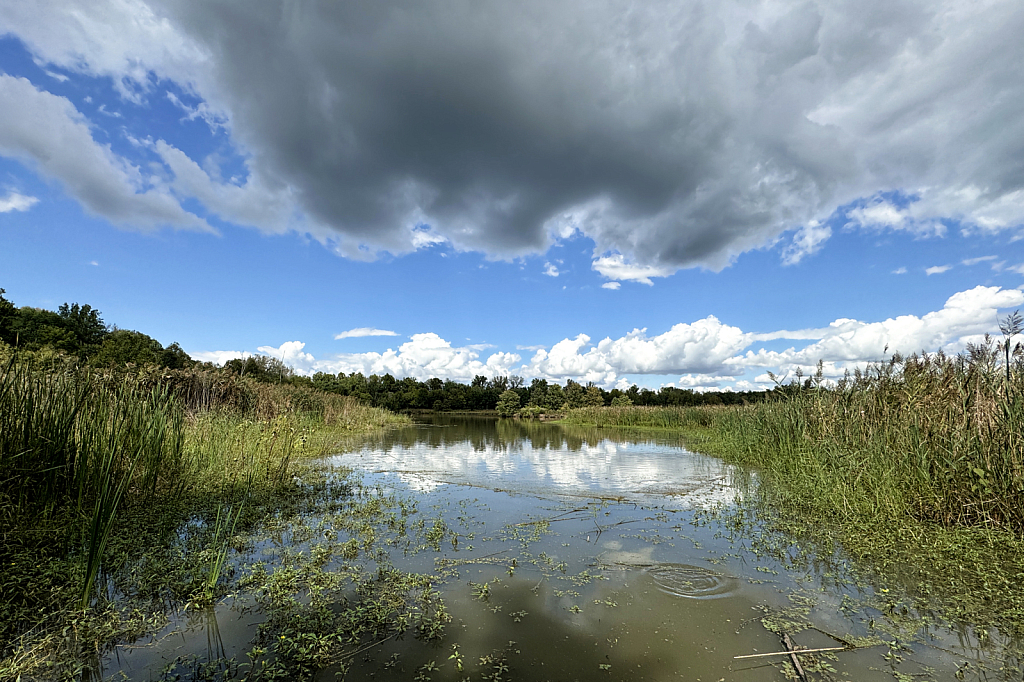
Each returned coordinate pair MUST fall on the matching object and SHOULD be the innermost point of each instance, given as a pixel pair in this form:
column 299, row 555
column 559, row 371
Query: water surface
column 582, row 554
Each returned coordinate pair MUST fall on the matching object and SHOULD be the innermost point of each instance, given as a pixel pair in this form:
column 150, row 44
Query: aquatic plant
column 102, row 473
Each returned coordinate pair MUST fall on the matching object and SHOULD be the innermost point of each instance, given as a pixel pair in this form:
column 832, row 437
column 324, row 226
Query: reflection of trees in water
column 487, row 434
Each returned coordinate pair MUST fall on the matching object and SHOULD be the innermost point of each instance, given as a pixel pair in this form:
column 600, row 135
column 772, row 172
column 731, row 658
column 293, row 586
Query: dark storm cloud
column 488, row 120
column 674, row 133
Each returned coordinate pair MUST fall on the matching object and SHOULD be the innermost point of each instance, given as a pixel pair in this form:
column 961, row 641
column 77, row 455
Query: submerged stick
column 793, row 657
column 797, row 651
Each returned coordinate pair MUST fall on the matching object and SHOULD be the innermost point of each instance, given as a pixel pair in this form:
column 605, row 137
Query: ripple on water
column 692, row 582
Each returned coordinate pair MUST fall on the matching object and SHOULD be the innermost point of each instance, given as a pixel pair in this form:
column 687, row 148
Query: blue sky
column 816, row 184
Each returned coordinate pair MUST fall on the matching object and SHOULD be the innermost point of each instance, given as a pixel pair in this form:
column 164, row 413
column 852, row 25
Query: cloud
column 700, row 347
column 50, row 135
column 617, row 268
column 675, row 134
column 707, row 354
column 845, row 342
column 880, row 214
column 424, row 356
column 614, row 286
column 550, row 270
column 15, row 201
column 364, row 331
column 808, row 240
column 219, row 357
column 290, row 353
column 125, row 40
column 900, row 271
column 937, row 269
column 979, row 259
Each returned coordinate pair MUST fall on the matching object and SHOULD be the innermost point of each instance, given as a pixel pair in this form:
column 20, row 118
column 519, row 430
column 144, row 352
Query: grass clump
column 120, row 492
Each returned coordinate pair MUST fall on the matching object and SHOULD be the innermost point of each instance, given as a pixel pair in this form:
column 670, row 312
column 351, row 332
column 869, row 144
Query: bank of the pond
column 120, row 494
column 915, row 469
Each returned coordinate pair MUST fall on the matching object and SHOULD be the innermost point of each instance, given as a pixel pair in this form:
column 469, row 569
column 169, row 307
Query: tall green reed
column 931, row 436
column 71, row 447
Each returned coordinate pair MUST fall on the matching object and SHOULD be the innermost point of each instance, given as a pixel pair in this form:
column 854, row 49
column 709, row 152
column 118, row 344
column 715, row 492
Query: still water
column 585, row 554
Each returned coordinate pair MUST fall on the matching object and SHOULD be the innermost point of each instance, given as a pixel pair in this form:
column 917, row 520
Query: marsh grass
column 932, row 437
column 123, row 488
column 914, row 467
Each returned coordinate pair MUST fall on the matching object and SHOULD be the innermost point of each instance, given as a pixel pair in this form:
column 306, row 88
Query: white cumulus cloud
column 706, row 354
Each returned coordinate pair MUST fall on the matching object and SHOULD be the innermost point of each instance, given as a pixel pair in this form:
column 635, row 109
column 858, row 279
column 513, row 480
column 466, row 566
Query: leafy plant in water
column 223, row 528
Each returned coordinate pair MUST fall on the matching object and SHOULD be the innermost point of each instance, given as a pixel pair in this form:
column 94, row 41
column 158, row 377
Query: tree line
column 79, row 331
column 510, row 394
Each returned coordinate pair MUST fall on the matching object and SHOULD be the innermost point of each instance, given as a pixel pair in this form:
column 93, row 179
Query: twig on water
column 796, row 651
column 793, row 657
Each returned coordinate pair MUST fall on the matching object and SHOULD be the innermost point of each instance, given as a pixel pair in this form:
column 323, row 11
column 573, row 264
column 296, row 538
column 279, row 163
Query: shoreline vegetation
column 913, row 468
column 128, row 471
column 121, row 491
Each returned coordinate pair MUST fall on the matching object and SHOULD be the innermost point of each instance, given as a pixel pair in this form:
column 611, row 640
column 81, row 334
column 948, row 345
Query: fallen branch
column 793, row 657
column 797, row 651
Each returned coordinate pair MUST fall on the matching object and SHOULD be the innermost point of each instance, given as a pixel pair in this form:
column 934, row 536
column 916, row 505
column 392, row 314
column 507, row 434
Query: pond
column 565, row 554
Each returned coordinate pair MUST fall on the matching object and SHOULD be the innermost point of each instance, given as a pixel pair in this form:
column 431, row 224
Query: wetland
column 462, row 547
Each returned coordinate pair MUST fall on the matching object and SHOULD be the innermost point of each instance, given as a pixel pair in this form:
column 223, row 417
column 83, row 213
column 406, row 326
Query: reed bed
column 933, row 437
column 99, row 473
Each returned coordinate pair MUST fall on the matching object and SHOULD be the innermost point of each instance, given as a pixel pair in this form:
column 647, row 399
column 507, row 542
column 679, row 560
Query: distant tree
column 124, row 346
column 29, row 327
column 593, row 397
column 573, row 395
column 85, row 323
column 555, row 398
column 174, row 357
column 8, row 314
column 621, row 401
column 508, row 403
column 261, row 368
column 539, row 392
column 57, row 338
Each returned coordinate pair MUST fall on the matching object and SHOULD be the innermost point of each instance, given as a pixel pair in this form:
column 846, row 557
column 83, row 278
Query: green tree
column 508, row 403
column 261, row 368
column 593, row 397
column 621, row 401
column 85, row 323
column 555, row 398
column 8, row 314
column 174, row 357
column 573, row 395
column 124, row 346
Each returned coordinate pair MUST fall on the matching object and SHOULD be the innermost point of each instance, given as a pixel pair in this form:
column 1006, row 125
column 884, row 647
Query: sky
column 682, row 193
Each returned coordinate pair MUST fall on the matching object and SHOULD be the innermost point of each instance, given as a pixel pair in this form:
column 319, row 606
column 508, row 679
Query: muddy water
column 586, row 555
